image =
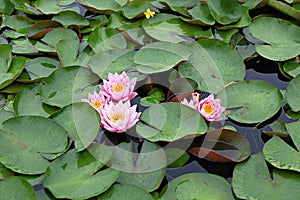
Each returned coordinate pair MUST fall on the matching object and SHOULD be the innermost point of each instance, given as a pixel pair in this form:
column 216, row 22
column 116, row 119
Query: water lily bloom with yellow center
column 96, row 100
column 149, row 13
column 211, row 108
column 118, row 87
column 119, row 117
column 192, row 103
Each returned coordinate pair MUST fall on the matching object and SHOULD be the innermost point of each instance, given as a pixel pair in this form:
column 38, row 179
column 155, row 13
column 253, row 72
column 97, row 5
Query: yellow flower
column 149, row 13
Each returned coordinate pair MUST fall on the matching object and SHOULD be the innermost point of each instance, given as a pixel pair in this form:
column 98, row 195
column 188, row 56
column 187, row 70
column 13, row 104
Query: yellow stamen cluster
column 97, row 104
column 116, row 117
column 149, row 13
column 118, row 87
column 208, row 108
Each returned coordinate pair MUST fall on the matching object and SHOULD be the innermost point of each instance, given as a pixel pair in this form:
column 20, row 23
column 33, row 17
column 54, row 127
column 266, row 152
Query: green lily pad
column 14, row 71
column 282, row 155
column 52, row 7
column 176, row 157
column 292, row 94
column 6, row 7
column 225, row 11
column 125, row 192
column 213, row 65
column 42, row 27
column 252, row 180
column 28, row 102
column 41, row 67
column 81, row 121
column 66, row 85
column 252, row 101
column 53, row 37
column 68, row 18
column 175, row 121
column 24, row 139
column 116, row 60
column 77, row 176
column 19, row 23
column 279, row 36
column 67, row 51
column 24, row 46
column 136, row 8
column 292, row 68
column 201, row 14
column 221, row 145
column 5, row 172
column 16, row 188
column 160, row 57
column 101, row 6
column 277, row 128
column 103, row 39
column 5, row 57
column 169, row 28
column 244, row 21
column 5, row 115
column 145, row 169
column 198, row 186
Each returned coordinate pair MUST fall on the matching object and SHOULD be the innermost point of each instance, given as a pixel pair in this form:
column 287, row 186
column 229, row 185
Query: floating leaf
column 66, row 86
column 279, row 36
column 40, row 28
column 77, row 176
column 292, row 68
column 145, row 169
column 160, row 57
column 67, row 51
column 198, row 186
column 103, row 39
column 136, row 8
column 112, row 61
column 16, row 188
column 223, row 145
column 101, row 6
column 68, row 18
column 4, row 172
column 252, row 180
column 23, row 139
column 19, row 23
column 252, row 101
column 53, row 37
column 243, row 22
column 5, row 115
column 15, row 70
column 292, row 94
column 82, row 123
column 176, row 157
column 175, row 121
column 213, row 65
column 230, row 13
column 5, row 57
column 125, row 192
column 169, row 28
column 282, row 155
column 201, row 13
column 28, row 102
column 6, row 7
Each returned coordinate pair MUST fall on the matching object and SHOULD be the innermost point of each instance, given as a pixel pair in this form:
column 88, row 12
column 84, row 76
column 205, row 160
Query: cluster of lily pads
column 174, row 78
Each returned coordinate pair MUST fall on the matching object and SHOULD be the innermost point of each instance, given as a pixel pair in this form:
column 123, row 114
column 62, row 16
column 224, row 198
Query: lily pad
column 176, row 157
column 136, row 8
column 198, row 186
column 112, row 61
column 40, row 28
column 277, row 128
column 66, row 86
column 145, row 169
column 16, row 188
column 292, row 94
column 5, row 57
column 252, row 180
column 292, row 68
column 67, row 51
column 212, row 65
column 201, row 13
column 101, row 6
column 175, row 121
column 223, row 145
column 28, row 102
column 103, row 39
column 81, row 121
column 68, row 18
column 53, row 37
column 14, row 71
column 41, row 67
column 125, row 192
column 19, row 23
column 160, row 57
column 279, row 36
column 282, row 155
column 4, row 172
column 225, row 11
column 77, row 176
column 6, row 7
column 252, row 101
column 5, row 115
column 24, row 139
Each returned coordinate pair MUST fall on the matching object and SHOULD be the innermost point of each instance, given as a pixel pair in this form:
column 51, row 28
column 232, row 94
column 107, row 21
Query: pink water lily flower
column 192, row 103
column 211, row 108
column 119, row 87
column 96, row 100
column 119, row 117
